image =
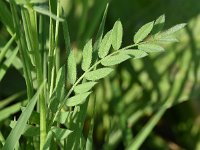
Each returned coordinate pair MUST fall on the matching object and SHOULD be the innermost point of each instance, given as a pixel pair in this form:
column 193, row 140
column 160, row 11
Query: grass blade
column 17, row 131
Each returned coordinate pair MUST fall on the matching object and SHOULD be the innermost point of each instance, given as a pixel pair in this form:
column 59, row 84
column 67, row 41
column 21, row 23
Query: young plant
column 61, row 94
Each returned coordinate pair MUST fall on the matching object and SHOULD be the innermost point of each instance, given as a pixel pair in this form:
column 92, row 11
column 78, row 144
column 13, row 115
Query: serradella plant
column 62, row 95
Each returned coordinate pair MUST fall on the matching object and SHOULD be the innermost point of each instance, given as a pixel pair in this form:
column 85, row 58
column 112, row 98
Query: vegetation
column 95, row 93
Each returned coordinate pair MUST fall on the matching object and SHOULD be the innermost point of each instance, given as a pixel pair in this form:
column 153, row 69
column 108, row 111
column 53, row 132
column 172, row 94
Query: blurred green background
column 128, row 99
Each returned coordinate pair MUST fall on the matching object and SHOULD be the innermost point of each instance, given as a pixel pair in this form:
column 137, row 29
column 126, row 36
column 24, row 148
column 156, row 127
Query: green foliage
column 143, row 32
column 117, row 34
column 63, row 100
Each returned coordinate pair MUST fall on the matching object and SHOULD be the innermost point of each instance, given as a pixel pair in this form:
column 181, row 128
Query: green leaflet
column 159, row 24
column 105, row 45
column 115, row 59
column 135, row 53
column 62, row 117
column 143, row 32
column 84, row 87
column 173, row 29
column 167, row 39
column 151, row 48
column 98, row 74
column 77, row 99
column 117, row 34
column 71, row 68
column 87, row 55
column 17, row 131
column 59, row 133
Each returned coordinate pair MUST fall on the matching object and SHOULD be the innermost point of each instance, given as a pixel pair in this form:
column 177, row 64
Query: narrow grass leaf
column 5, row 17
column 87, row 55
column 117, row 34
column 6, row 48
column 159, row 24
column 8, row 111
column 105, row 45
column 100, row 30
column 84, row 87
column 143, row 32
column 59, row 133
column 47, row 144
column 135, row 53
column 173, row 29
column 77, row 99
column 115, row 59
column 98, row 74
column 149, row 48
column 71, row 68
column 7, row 63
column 45, row 11
column 142, row 135
column 17, row 131
column 10, row 99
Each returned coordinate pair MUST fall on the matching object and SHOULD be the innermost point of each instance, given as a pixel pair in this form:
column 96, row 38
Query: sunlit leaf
column 143, row 32
column 71, row 68
column 84, row 87
column 98, row 74
column 135, row 53
column 115, row 59
column 151, row 48
column 87, row 55
column 105, row 45
column 117, row 34
column 77, row 99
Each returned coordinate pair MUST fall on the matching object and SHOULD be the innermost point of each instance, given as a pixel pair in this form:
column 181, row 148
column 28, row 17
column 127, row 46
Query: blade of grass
column 17, row 131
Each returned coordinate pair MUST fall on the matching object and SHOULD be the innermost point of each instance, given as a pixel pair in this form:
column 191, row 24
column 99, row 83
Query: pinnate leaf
column 143, row 32
column 71, row 68
column 115, row 59
column 105, row 45
column 98, row 74
column 150, row 48
column 117, row 34
column 87, row 55
column 84, row 87
column 77, row 99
